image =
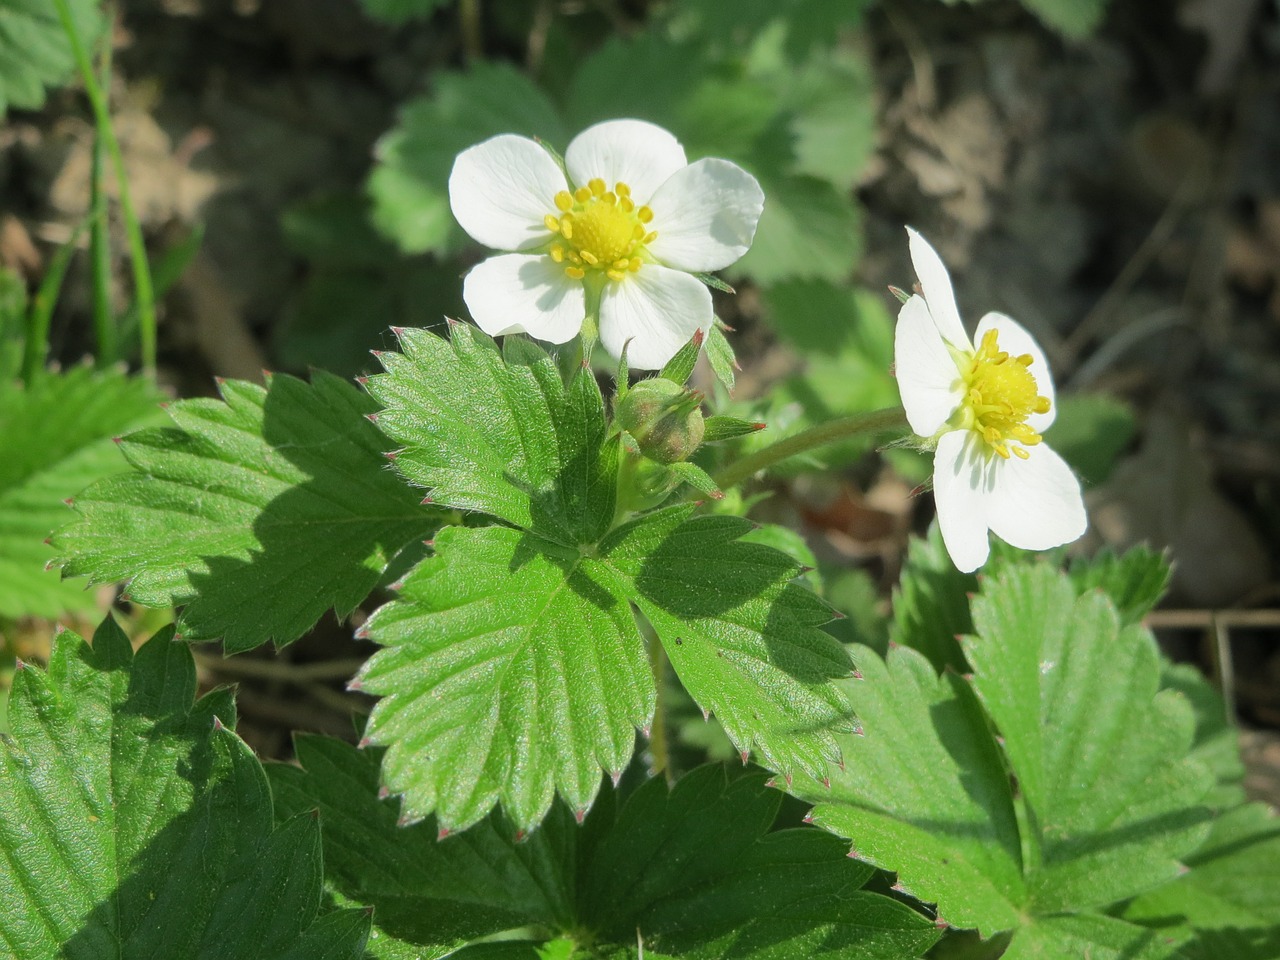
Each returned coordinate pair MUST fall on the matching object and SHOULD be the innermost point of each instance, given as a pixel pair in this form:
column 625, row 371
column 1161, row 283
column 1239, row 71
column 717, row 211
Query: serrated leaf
column 401, row 11
column 409, row 184
column 924, row 792
column 1098, row 753
column 1098, row 750
column 135, row 824
column 35, row 53
column 56, row 434
column 258, row 512
column 692, row 869
column 514, row 669
column 1134, row 580
column 498, row 432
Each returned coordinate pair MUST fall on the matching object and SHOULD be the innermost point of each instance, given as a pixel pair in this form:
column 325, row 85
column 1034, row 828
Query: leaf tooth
column 745, row 755
column 19, row 664
column 427, row 501
column 856, row 675
column 217, row 724
column 940, row 922
column 441, row 834
column 521, row 835
column 362, row 631
column 580, row 814
column 808, row 817
column 371, row 417
column 853, row 853
column 399, row 332
column 826, row 782
column 362, row 380
column 384, row 792
column 355, row 685
column 364, row 742
column 857, row 731
column 706, row 715
column 616, row 777
column 70, row 501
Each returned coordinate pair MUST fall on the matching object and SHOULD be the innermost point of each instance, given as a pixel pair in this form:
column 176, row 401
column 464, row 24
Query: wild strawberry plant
column 556, row 561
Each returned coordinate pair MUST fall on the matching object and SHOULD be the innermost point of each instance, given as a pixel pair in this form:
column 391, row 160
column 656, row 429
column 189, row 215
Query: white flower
column 621, row 236
column 985, row 410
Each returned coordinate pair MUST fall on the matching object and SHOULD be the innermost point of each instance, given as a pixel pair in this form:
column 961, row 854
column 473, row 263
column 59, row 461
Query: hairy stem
column 833, row 431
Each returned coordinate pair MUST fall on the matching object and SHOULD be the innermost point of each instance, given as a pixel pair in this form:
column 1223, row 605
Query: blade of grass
column 165, row 271
column 104, row 326
column 143, row 292
column 40, row 316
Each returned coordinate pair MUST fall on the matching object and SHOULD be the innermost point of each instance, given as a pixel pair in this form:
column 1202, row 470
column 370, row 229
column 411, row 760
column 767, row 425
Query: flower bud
column 664, row 417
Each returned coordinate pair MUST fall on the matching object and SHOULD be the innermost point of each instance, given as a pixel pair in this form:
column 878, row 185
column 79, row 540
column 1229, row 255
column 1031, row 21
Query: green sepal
column 680, row 367
column 721, row 356
column 714, row 282
column 696, row 477
column 718, row 429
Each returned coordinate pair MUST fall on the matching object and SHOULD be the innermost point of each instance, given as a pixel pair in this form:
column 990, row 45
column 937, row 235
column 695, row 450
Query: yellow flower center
column 1000, row 393
column 599, row 229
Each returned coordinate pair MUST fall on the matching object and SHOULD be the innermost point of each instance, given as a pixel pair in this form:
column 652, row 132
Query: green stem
column 104, row 325
column 40, row 313
column 658, row 729
column 833, row 431
column 143, row 291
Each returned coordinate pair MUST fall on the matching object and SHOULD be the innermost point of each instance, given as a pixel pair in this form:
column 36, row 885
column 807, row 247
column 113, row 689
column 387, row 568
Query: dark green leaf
column 258, row 512
column 693, row 871
column 1135, row 580
column 931, row 603
column 136, row 825
column 56, row 434
column 1217, row 741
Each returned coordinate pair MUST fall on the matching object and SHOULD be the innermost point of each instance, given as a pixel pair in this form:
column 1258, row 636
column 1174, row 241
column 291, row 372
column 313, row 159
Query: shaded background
column 1108, row 174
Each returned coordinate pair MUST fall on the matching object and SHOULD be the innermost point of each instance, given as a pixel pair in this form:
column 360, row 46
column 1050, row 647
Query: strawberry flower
column 618, row 234
column 983, row 410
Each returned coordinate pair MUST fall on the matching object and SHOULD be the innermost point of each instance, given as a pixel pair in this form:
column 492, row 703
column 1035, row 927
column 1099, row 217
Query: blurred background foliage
column 1107, row 173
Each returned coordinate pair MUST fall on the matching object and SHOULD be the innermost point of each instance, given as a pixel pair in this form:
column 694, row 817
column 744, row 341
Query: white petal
column 525, row 293
column 639, row 154
column 657, row 309
column 502, row 189
column 962, row 492
column 928, row 380
column 1014, row 338
column 1036, row 503
column 936, row 284
column 705, row 215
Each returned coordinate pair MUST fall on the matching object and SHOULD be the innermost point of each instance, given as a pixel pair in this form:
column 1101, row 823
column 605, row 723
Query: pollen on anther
column 644, row 214
column 575, row 273
column 582, row 194
column 621, row 189
column 552, row 223
column 597, row 186
column 564, row 201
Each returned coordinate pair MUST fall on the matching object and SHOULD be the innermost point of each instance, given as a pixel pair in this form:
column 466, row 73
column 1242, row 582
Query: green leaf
column 499, row 433
column 35, row 53
column 513, row 668
column 1135, row 580
column 1233, row 883
column 258, row 512
column 931, row 603
column 693, row 870
column 540, row 638
column 924, row 792
column 1099, row 751
column 535, row 623
column 134, row 824
column 680, row 367
column 56, row 434
column 1070, row 937
column 409, row 184
column 397, row 12
column 728, row 428
column 13, row 314
column 1100, row 756
column 1217, row 741
column 809, row 229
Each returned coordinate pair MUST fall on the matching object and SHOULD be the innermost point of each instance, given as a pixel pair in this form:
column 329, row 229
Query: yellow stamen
column 1000, row 394
column 603, row 230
